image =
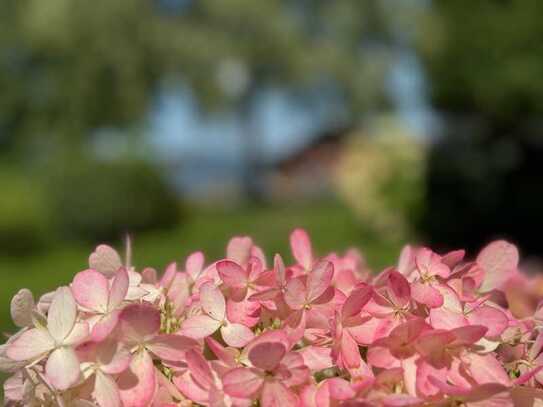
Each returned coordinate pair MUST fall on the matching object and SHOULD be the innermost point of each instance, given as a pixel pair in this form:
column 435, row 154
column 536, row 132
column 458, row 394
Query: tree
column 69, row 67
column 484, row 61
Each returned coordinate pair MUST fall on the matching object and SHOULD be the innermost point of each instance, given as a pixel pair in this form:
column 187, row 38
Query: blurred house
column 309, row 172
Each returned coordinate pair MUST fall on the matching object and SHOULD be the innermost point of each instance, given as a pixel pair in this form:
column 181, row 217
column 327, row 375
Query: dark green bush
column 94, row 200
column 23, row 214
column 482, row 187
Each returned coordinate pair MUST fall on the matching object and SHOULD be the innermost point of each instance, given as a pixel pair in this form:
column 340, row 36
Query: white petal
column 106, row 391
column 78, row 335
column 22, row 305
column 62, row 368
column 62, row 313
column 31, row 344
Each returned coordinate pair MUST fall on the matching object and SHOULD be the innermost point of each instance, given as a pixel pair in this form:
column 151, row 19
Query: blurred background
column 184, row 122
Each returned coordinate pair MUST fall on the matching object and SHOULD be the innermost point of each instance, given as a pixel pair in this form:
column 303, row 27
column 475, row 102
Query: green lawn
column 331, row 225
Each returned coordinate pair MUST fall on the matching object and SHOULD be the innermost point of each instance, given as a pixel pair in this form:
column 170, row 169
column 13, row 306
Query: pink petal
column 91, row 290
column 105, row 325
column 242, row 382
column 340, row 389
column 298, row 372
column 492, row 318
column 295, row 325
column 432, row 344
column 447, row 388
column 137, row 384
column 406, row 262
column 486, row 369
column 236, row 335
column 350, row 354
column 498, row 260
column 62, row 368
column 178, row 293
column 243, row 312
column 239, row 249
column 199, row 326
column 113, row 357
column 169, row 275
column 430, row 264
column 225, row 355
column 426, row 294
column 119, row 289
column 213, row 302
column 319, row 279
column 279, row 267
column 468, row 335
column 194, row 264
column 258, row 253
column 400, row 290
column 232, row 274
column 295, row 294
column 61, row 315
column 106, row 391
column 170, row 347
column 22, row 305
column 254, row 269
column 317, row 357
column 371, row 329
column 424, row 386
column 139, row 322
column 190, row 388
column 308, row 395
column 275, row 394
column 380, row 356
column 267, row 355
column 31, row 344
column 149, row 275
column 452, row 258
column 527, row 396
column 356, row 301
column 441, row 318
column 300, row 245
column 274, row 335
column 105, row 260
column 199, row 368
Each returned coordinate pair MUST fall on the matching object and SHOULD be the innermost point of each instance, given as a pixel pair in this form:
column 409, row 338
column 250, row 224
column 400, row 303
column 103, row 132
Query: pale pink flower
column 105, row 260
column 55, row 341
column 305, row 294
column 214, row 318
column 301, row 248
column 429, row 270
column 273, row 371
column 22, row 307
column 101, row 363
column 139, row 331
column 499, row 261
column 455, row 313
column 101, row 298
column 345, row 349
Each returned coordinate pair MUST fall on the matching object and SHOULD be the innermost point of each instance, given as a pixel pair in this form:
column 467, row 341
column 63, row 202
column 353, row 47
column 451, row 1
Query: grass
column 331, row 225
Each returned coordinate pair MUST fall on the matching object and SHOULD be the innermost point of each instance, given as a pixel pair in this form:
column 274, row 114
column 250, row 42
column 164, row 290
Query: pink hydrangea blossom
column 434, row 330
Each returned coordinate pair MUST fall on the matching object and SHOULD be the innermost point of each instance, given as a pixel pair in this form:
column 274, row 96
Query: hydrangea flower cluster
column 435, row 330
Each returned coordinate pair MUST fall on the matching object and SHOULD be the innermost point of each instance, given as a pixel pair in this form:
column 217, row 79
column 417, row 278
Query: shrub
column 24, row 224
column 103, row 200
column 381, row 177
